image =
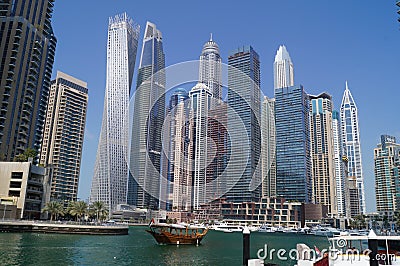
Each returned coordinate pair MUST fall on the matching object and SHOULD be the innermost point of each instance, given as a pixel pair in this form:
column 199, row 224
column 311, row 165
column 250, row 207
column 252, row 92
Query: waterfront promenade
column 62, row 228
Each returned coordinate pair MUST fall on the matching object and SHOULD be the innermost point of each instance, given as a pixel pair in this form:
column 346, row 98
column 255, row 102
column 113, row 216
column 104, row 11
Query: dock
column 62, row 228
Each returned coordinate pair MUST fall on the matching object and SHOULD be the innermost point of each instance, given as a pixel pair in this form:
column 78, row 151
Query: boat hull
column 167, row 238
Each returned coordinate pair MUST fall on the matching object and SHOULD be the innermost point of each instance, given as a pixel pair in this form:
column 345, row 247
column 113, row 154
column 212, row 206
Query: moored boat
column 177, row 234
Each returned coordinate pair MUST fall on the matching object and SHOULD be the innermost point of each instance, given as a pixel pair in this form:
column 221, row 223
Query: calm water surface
column 139, row 248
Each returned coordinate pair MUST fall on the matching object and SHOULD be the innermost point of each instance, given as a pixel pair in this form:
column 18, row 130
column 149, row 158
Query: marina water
column 139, row 248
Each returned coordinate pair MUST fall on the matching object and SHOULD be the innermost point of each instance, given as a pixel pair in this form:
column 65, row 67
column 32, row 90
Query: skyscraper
column 63, row 135
column 322, row 152
column 148, row 119
column 268, row 144
column 283, row 69
column 109, row 182
column 200, row 98
column 175, row 191
column 210, row 68
column 244, row 173
column 27, row 51
column 387, row 183
column 351, row 142
column 340, row 172
column 293, row 160
column 217, row 153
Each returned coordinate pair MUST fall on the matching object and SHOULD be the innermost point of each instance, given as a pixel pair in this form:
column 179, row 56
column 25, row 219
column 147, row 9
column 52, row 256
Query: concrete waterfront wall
column 33, row 227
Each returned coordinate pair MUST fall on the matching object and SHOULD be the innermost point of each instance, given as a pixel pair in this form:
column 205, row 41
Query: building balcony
column 33, row 199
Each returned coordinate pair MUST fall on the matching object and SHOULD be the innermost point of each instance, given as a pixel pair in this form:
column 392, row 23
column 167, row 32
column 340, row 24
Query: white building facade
column 109, row 183
column 283, row 69
column 351, row 142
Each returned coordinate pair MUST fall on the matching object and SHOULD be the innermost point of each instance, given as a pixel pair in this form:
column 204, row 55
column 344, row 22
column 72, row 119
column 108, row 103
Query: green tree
column 77, row 208
column 98, row 208
column 358, row 222
column 28, row 153
column 385, row 222
column 397, row 219
column 55, row 208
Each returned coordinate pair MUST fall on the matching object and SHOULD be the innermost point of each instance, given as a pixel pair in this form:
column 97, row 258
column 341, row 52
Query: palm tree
column 77, row 208
column 99, row 208
column 55, row 208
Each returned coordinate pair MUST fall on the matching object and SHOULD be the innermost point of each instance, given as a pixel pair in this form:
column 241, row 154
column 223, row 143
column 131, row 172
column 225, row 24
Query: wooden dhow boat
column 177, row 234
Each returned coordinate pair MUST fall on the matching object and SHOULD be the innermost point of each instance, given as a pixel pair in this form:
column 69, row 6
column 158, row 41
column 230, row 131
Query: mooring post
column 373, row 247
column 246, row 245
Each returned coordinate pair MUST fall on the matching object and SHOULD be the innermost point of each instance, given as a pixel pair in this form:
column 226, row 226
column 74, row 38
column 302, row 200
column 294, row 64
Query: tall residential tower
column 268, row 145
column 109, row 182
column 63, row 135
column 387, row 166
column 340, row 165
column 351, row 143
column 27, row 49
column 210, row 68
column 322, row 152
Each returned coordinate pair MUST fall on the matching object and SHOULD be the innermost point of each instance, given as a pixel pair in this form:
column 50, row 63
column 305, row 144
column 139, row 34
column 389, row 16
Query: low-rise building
column 25, row 186
column 270, row 211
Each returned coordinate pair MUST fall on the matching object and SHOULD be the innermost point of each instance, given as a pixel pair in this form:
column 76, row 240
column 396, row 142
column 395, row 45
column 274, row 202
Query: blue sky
column 329, row 42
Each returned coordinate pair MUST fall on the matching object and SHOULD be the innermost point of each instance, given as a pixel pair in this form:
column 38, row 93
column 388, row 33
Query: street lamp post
column 4, row 211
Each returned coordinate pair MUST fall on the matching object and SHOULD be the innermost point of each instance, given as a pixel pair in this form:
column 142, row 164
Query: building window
column 17, row 175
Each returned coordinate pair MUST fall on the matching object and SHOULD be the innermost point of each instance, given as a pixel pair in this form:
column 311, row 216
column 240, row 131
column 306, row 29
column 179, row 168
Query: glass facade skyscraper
column 148, row 119
column 351, row 142
column 27, row 51
column 109, row 183
column 244, row 148
column 293, row 159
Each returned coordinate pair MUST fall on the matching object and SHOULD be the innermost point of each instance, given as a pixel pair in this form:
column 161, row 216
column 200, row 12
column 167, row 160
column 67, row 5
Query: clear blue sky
column 329, row 42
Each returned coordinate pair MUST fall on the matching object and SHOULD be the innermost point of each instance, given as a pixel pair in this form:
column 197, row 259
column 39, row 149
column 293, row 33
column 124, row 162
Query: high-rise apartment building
column 200, row 99
column 293, row 159
column 148, row 119
column 244, row 167
column 210, row 68
column 110, row 178
column 322, row 152
column 175, row 193
column 268, row 145
column 27, row 49
column 387, row 183
column 352, row 197
column 283, row 69
column 63, row 135
column 351, row 142
column 340, row 171
column 217, row 152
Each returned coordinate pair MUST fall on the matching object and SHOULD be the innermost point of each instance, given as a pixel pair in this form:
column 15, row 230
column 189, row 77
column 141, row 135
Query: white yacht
column 223, row 227
column 267, row 229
